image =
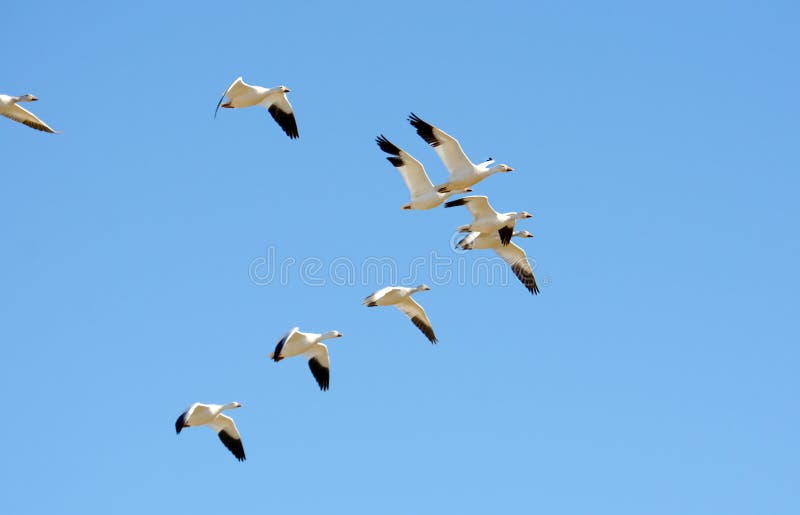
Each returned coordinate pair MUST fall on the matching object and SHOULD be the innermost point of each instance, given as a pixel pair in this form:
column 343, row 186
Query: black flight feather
column 285, row 120
column 320, row 373
column 233, row 444
column 426, row 329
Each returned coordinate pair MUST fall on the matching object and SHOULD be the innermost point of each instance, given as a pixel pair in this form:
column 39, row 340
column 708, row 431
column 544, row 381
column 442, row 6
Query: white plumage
column 400, row 297
column 296, row 343
column 211, row 415
column 486, row 219
column 423, row 193
column 241, row 94
column 463, row 172
column 10, row 108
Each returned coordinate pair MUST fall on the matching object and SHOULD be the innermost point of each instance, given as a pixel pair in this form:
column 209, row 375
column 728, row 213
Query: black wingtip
column 425, row 329
column 233, row 444
column 276, row 355
column 424, row 130
column 526, row 278
column 387, row 146
column 286, row 121
column 505, row 234
column 219, row 104
column 456, row 202
column 320, row 373
column 180, row 423
column 396, row 161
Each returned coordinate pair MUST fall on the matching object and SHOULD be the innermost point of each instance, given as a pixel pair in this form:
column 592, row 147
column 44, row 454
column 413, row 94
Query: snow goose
column 241, row 94
column 295, row 343
column 10, row 109
column 486, row 219
column 400, row 298
column 463, row 172
column 423, row 194
column 511, row 254
column 211, row 415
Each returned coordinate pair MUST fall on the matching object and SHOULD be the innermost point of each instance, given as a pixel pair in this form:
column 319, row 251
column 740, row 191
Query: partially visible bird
column 295, row 343
column 10, row 109
column 400, row 297
column 211, row 415
column 511, row 254
column 423, row 194
column 463, row 172
column 241, row 94
column 486, row 219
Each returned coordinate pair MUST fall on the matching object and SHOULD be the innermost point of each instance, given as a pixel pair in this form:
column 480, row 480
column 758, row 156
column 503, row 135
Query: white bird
column 463, row 172
column 211, row 415
column 10, row 109
column 486, row 219
column 400, row 297
column 423, row 194
column 295, row 343
column 241, row 94
column 511, row 254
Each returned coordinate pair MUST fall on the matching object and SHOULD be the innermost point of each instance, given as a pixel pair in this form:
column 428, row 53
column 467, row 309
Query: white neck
column 328, row 335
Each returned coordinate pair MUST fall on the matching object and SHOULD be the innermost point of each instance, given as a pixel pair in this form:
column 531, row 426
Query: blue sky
column 655, row 145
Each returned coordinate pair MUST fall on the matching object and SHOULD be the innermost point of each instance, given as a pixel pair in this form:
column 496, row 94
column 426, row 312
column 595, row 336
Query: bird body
column 211, row 415
column 486, row 219
column 400, row 297
column 296, row 343
column 10, row 108
column 240, row 94
column 423, row 194
column 463, row 172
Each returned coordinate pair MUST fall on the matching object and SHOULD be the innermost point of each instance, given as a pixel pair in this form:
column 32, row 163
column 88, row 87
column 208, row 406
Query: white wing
column 468, row 241
column 478, row 205
column 446, row 146
column 224, row 423
column 238, row 88
column 228, row 434
column 413, row 172
column 378, row 295
column 418, row 317
column 21, row 115
column 288, row 345
column 518, row 261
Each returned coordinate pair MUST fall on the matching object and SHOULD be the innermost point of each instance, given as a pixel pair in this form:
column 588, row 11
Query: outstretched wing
column 181, row 422
column 282, row 112
column 277, row 355
column 518, row 261
column 228, row 435
column 418, row 317
column 320, row 365
column 236, row 89
column 446, row 146
column 23, row 116
column 478, row 205
column 412, row 170
column 468, row 241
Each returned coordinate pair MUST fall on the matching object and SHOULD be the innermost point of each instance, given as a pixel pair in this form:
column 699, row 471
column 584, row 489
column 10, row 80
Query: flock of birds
column 488, row 230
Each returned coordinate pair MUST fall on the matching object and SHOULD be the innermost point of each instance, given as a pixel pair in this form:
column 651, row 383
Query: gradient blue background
column 656, row 145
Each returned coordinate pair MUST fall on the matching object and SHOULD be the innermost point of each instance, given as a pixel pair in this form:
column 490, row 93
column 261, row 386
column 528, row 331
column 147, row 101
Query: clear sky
column 656, row 146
